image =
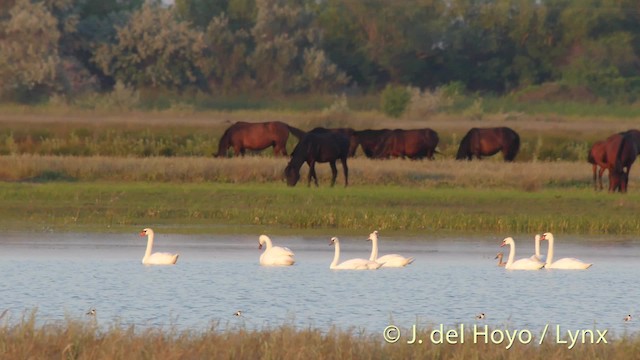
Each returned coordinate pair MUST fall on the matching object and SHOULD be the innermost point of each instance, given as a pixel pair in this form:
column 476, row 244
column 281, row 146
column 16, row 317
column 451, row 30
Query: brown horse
column 257, row 136
column 480, row 142
column 414, row 144
column 598, row 158
column 318, row 146
column 370, row 140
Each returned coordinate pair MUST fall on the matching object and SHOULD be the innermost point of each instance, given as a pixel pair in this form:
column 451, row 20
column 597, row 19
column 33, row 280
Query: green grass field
column 274, row 207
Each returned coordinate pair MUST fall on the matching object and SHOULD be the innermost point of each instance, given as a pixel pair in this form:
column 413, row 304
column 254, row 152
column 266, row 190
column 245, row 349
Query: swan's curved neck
column 537, row 241
column 267, row 242
column 550, row 250
column 374, row 248
column 336, row 257
column 147, row 253
column 512, row 254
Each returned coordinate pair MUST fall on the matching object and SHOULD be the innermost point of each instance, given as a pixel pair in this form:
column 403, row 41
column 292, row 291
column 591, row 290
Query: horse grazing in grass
column 318, row 146
column 414, row 144
column 257, row 136
column 370, row 141
column 480, row 142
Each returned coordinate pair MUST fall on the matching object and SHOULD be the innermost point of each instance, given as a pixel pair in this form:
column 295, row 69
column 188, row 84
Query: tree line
column 72, row 47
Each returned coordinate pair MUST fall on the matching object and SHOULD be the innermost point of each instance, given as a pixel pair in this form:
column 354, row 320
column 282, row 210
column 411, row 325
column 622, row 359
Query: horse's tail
column 296, row 132
column 223, row 146
column 464, row 151
column 514, row 147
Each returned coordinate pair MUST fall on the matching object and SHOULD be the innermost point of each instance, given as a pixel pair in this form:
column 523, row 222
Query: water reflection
column 451, row 281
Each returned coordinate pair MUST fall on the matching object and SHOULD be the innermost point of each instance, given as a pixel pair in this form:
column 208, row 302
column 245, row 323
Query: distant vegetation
column 559, row 56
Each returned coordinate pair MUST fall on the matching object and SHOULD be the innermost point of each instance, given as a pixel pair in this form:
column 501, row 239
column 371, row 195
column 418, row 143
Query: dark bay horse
column 348, row 132
column 319, row 146
column 414, row 144
column 622, row 150
column 257, row 136
column 480, row 142
column 370, row 140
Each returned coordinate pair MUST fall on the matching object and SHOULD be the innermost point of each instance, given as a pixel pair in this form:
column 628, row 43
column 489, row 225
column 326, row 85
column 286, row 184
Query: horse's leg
column 334, row 172
column 595, row 184
column 312, row 173
column 600, row 173
column 345, row 169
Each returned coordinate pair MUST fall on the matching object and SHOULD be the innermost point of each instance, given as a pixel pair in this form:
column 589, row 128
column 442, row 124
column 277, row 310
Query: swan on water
column 274, row 255
column 537, row 256
column 522, row 264
column 499, row 256
column 159, row 258
column 564, row 263
column 391, row 260
column 352, row 264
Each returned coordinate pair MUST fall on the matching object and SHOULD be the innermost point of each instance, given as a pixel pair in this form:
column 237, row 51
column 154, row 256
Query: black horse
column 318, row 146
column 480, row 142
column 625, row 156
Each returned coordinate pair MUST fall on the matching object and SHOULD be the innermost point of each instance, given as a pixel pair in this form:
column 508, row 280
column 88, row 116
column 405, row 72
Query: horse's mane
column 299, row 153
column 465, row 145
column 223, row 146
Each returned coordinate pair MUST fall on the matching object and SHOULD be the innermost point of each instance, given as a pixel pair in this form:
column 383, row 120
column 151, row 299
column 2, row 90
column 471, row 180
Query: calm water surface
column 451, row 280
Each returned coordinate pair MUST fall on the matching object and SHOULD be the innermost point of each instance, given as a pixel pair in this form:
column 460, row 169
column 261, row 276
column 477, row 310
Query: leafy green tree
column 225, row 61
column 29, row 58
column 286, row 44
column 153, row 50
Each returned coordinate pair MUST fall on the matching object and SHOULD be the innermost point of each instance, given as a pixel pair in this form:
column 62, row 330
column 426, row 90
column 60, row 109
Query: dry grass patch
column 529, row 176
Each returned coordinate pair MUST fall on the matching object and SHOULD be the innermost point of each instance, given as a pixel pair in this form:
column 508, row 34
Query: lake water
column 452, row 279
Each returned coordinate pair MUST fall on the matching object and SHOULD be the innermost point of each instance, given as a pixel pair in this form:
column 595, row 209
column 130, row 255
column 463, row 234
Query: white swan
column 156, row 258
column 391, row 260
column 353, row 264
column 537, row 256
column 564, row 263
column 274, row 255
column 522, row 264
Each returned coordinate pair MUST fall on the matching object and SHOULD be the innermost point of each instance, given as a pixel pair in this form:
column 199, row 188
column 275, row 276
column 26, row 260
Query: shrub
column 394, row 100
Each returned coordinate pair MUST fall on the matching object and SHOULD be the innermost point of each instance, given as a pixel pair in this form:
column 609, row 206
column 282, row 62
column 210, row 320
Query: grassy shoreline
column 251, row 207
column 86, row 340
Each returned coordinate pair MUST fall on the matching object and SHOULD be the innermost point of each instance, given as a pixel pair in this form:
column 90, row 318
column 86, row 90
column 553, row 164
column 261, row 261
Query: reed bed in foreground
column 75, row 339
column 490, row 173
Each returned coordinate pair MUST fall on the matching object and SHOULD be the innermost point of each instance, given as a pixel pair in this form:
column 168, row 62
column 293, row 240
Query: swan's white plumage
column 391, row 260
column 159, row 258
column 522, row 264
column 352, row 264
column 274, row 255
column 537, row 256
column 564, row 263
